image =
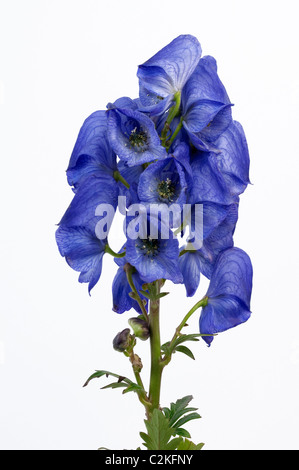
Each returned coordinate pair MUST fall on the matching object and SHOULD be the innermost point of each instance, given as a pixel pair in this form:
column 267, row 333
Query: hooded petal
column 190, row 267
column 232, row 276
column 233, row 159
column 82, row 251
column 204, row 84
column 168, row 70
column 133, row 137
column 121, row 289
column 228, row 294
column 221, row 314
column 94, row 192
column 92, row 154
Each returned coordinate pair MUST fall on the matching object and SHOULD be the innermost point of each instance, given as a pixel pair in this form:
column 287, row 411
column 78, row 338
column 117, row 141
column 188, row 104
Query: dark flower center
column 166, row 189
column 138, row 139
column 149, row 247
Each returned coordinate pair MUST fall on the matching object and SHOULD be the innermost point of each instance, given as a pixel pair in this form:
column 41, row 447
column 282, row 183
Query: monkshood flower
column 154, row 255
column 76, row 236
column 92, row 153
column 221, row 177
column 219, row 224
column 133, row 137
column 206, row 108
column 94, row 193
column 122, row 301
column 83, row 252
column 165, row 74
column 229, row 294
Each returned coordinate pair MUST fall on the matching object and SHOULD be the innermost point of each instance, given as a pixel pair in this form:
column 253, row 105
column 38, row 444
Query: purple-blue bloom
column 229, row 294
column 83, row 251
column 206, row 108
column 133, row 137
column 166, row 73
column 153, row 255
column 221, row 177
column 92, row 153
column 122, row 302
column 217, row 235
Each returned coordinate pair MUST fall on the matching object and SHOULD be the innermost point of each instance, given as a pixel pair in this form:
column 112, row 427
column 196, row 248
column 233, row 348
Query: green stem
column 201, row 303
column 172, row 114
column 129, row 271
column 175, row 109
column 177, row 130
column 113, row 253
column 155, row 345
column 118, row 177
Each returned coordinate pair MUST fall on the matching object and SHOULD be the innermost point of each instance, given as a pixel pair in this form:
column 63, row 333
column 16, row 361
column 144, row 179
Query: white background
column 60, row 61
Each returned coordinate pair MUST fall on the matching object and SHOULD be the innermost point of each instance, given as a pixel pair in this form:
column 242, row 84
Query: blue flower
column 206, row 108
column 133, row 137
column 83, row 251
column 122, row 302
column 221, row 177
column 155, row 257
column 92, row 154
column 217, row 235
column 77, row 236
column 166, row 73
column 88, row 197
column 229, row 294
column 163, row 182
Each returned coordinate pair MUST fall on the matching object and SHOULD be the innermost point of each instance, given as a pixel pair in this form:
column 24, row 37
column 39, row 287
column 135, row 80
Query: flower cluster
column 174, row 147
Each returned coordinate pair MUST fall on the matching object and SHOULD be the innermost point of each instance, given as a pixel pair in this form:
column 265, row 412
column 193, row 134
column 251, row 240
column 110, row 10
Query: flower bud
column 122, row 340
column 140, row 328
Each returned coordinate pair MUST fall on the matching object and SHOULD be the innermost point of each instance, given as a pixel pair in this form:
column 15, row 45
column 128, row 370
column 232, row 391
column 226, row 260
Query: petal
column 94, row 192
column 219, row 239
column 173, row 65
column 82, row 251
column 221, row 314
column 204, row 84
column 232, row 276
column 233, row 159
column 190, row 267
column 209, row 183
column 92, row 153
column 202, row 113
column 121, row 124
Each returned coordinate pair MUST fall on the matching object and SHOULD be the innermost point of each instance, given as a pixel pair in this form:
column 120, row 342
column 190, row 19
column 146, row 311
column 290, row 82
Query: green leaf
column 100, row 373
column 133, row 387
column 115, row 385
column 123, row 382
column 185, row 350
column 185, row 444
column 180, row 413
column 182, row 432
column 159, row 433
column 187, row 418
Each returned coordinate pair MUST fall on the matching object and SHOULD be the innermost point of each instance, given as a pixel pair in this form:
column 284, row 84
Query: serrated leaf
column 100, row 373
column 115, row 385
column 183, row 338
column 132, row 387
column 185, row 350
column 123, row 382
column 178, row 408
column 187, row 418
column 159, row 433
column 182, row 432
column 185, row 444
